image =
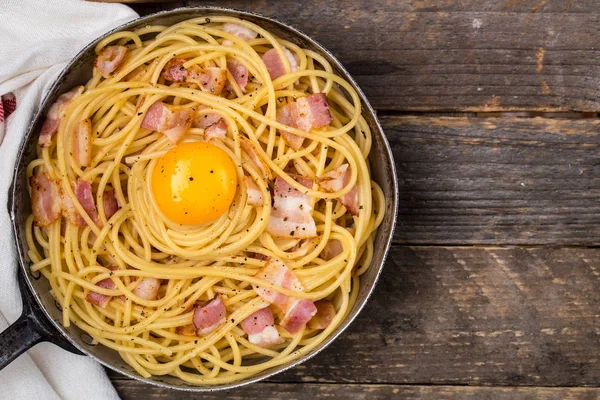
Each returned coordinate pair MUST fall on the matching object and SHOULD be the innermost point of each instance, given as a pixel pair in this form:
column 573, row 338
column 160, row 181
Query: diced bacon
column 205, row 120
column 239, row 73
column 255, row 197
column 305, row 113
column 298, row 313
column 332, row 249
column 147, row 288
column 186, row 330
column 317, row 107
column 111, row 206
column 174, row 70
column 69, row 211
column 209, row 316
column 213, row 124
column 337, row 179
column 55, row 114
column 277, row 273
column 324, row 316
column 160, row 117
column 110, row 59
column 260, row 327
column 291, row 214
column 211, row 79
column 240, row 31
column 49, row 128
column 249, row 148
column 216, row 131
column 275, row 65
column 287, row 115
column 98, row 299
column 82, row 143
column 45, row 200
column 83, row 192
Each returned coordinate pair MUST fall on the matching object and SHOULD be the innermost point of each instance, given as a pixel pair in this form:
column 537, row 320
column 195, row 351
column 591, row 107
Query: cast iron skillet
column 41, row 316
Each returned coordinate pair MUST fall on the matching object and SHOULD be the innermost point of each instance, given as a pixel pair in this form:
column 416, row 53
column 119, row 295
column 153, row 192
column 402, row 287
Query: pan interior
column 78, row 72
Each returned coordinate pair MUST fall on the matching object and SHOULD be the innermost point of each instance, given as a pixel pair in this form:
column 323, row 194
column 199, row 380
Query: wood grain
column 461, row 55
column 476, row 316
column 497, row 180
column 291, row 391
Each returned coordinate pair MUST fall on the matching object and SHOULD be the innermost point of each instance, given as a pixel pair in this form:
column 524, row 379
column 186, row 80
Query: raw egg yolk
column 194, row 183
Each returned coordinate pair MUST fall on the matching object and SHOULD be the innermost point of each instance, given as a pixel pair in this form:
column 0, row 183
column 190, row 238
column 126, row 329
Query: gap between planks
column 488, row 114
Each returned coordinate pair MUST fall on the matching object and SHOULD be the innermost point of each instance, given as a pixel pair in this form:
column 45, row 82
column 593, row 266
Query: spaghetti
column 98, row 258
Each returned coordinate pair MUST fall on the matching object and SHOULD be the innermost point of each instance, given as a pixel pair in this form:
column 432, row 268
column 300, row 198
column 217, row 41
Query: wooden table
column 492, row 287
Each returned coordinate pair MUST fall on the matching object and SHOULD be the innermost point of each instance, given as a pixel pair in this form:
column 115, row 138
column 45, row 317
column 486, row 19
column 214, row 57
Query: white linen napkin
column 37, row 39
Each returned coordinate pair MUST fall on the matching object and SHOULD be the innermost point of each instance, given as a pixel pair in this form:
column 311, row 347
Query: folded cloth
column 37, row 39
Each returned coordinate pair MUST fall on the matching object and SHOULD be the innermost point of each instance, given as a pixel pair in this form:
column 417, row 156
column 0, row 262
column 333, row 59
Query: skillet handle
column 18, row 338
column 31, row 328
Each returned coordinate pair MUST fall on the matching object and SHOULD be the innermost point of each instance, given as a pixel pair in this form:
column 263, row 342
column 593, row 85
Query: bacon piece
column 291, row 214
column 45, row 199
column 296, row 311
column 239, row 73
column 83, row 192
column 277, row 273
column 260, row 327
column 55, row 114
column 160, row 117
column 240, row 31
column 332, row 249
column 98, row 299
column 82, row 143
column 69, row 211
column 216, row 131
column 174, row 70
column 324, row 316
column 205, row 120
column 209, row 316
column 305, row 113
column 186, row 330
column 275, row 65
column 110, row 59
column 255, row 197
column 213, row 124
column 147, row 288
column 249, row 148
column 211, row 79
column 49, row 128
column 337, row 179
column 111, row 206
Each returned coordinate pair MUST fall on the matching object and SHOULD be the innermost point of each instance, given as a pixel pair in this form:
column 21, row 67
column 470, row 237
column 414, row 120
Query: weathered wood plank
column 497, row 180
column 461, row 55
column 132, row 390
column 476, row 316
